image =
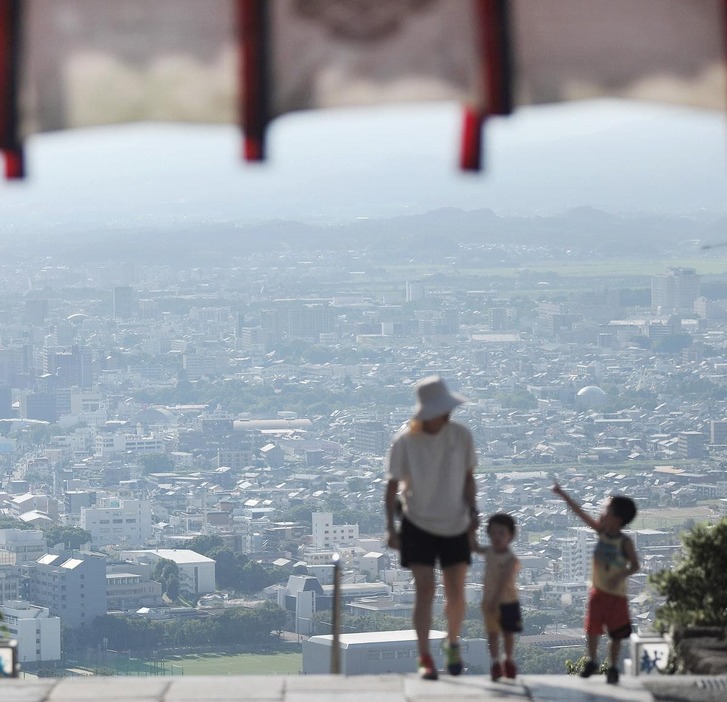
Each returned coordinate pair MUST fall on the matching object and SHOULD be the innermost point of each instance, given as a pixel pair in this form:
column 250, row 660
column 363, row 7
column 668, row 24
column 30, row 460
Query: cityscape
column 193, row 421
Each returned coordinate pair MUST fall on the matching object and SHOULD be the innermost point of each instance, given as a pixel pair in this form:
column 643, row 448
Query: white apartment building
column 18, row 546
column 676, row 289
column 197, row 366
column 577, row 555
column 80, row 440
column 372, row 563
column 38, row 633
column 114, row 442
column 9, row 583
column 87, row 403
column 317, row 557
column 326, row 534
column 118, row 522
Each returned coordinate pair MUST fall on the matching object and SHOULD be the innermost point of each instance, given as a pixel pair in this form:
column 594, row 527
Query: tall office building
column 6, row 402
column 675, row 290
column 15, row 363
column 326, row 534
column 39, row 405
column 118, row 522
column 123, row 302
column 718, row 432
column 370, row 437
column 691, row 444
column 71, row 585
column 415, row 291
column 294, row 319
column 498, row 318
column 70, row 368
column 36, row 311
column 577, row 553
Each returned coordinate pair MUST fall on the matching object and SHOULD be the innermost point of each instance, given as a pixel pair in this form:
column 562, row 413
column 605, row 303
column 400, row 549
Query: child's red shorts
column 609, row 613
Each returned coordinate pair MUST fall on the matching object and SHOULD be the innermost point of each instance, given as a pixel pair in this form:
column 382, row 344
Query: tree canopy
column 235, row 571
column 696, row 588
column 239, row 625
column 156, row 463
column 166, row 572
column 7, row 522
column 71, row 537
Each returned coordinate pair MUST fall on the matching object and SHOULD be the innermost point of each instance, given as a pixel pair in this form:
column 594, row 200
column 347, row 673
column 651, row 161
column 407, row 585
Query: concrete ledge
column 366, row 688
column 703, row 650
column 687, row 688
column 332, row 688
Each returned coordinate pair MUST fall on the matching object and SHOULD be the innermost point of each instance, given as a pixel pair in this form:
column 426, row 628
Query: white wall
column 37, row 633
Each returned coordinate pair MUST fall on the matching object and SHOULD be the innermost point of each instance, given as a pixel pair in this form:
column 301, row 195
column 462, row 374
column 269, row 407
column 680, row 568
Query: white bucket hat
column 434, row 398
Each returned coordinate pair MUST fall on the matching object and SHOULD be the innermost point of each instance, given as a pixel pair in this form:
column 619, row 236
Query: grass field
column 241, row 664
column 274, row 663
column 668, row 517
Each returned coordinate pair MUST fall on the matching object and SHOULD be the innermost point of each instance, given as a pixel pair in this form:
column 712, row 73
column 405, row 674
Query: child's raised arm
column 576, row 508
column 632, row 557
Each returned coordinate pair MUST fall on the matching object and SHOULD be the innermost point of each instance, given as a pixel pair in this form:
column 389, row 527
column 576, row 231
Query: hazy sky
column 332, row 166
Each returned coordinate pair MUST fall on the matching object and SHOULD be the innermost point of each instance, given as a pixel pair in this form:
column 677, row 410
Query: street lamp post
column 336, row 618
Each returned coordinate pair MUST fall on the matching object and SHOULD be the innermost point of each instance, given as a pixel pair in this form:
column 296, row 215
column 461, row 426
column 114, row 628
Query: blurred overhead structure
column 80, row 63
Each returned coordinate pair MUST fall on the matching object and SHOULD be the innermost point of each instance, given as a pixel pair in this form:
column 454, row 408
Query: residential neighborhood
column 245, row 408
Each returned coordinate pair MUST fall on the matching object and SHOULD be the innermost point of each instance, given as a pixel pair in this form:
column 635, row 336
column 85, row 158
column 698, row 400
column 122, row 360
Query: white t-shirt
column 434, row 469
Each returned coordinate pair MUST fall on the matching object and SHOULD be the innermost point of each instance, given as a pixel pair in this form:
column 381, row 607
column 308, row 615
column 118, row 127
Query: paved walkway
column 365, row 688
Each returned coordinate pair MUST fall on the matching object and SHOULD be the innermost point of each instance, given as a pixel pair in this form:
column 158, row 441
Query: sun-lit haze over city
column 335, row 166
column 203, row 363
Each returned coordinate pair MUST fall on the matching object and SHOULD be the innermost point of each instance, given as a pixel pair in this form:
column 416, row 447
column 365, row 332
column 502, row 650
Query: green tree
column 302, row 514
column 358, row 623
column 239, row 625
column 156, row 463
column 166, row 572
column 578, row 666
column 674, row 343
column 537, row 622
column 229, row 567
column 70, row 537
column 518, row 398
column 171, row 589
column 696, row 588
column 255, row 577
column 13, row 523
column 204, row 543
column 275, row 617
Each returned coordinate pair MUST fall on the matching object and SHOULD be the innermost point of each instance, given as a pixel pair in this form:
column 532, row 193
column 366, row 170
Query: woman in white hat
column 430, row 472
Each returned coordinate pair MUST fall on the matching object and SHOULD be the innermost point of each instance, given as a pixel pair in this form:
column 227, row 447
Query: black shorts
column 510, row 617
column 507, row 618
column 419, row 547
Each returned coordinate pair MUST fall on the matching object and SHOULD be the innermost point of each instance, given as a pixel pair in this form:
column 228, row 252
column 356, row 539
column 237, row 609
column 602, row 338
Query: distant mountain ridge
column 583, row 231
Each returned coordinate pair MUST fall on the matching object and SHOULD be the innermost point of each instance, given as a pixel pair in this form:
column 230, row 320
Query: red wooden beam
column 10, row 145
column 496, row 68
column 253, row 27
